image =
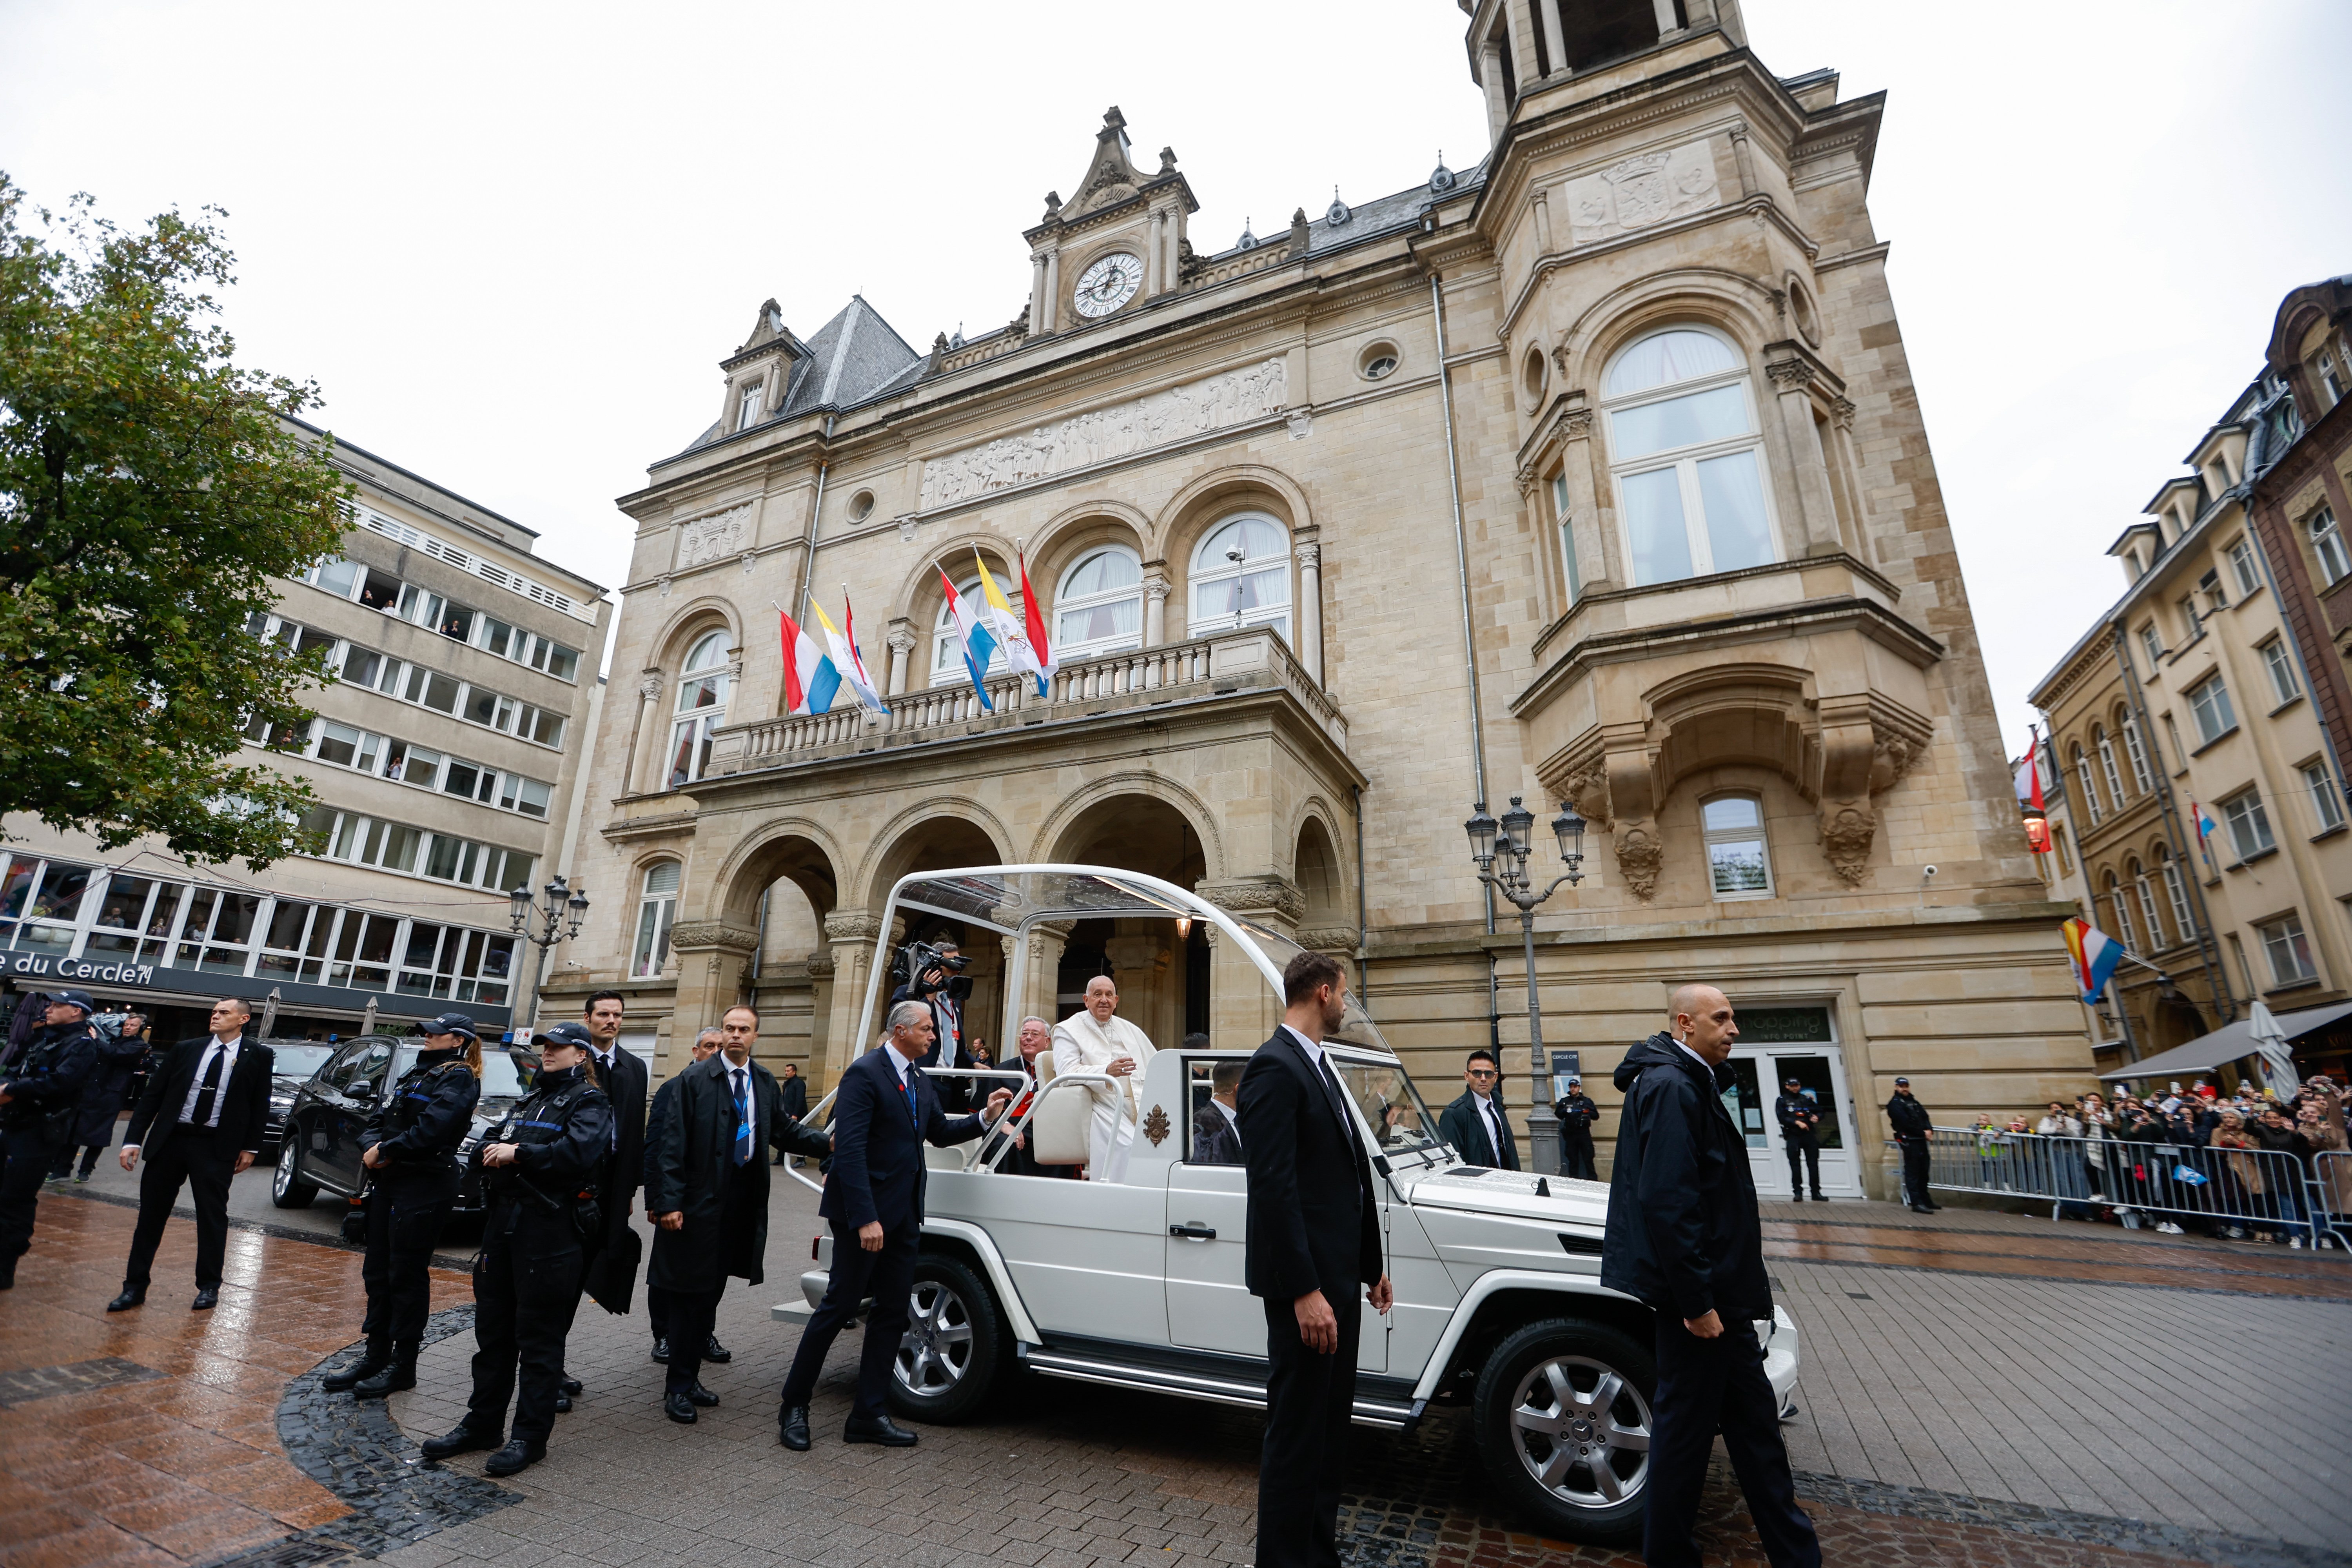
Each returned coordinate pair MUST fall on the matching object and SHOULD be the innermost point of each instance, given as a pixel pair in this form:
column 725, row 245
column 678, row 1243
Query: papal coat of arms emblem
column 1155, row 1127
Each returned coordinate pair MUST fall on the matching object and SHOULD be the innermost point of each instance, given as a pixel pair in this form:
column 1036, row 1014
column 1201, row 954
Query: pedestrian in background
column 792, row 1097
column 1912, row 1125
column 1801, row 1121
column 200, row 1123
column 1576, row 1114
column 41, row 1079
column 118, row 1055
column 1684, row 1237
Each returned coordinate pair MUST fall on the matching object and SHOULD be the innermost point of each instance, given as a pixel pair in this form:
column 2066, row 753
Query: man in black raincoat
column 101, row 1096
column 710, row 1196
column 41, row 1079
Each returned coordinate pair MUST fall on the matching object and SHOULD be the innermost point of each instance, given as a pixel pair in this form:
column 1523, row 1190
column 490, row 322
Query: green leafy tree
column 148, row 494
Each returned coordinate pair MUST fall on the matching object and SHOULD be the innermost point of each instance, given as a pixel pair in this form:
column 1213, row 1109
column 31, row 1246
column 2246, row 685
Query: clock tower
column 1115, row 246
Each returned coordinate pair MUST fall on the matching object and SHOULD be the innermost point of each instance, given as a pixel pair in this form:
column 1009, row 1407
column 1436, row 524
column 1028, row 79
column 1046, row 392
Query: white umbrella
column 2270, row 1044
column 367, row 1024
column 270, row 1014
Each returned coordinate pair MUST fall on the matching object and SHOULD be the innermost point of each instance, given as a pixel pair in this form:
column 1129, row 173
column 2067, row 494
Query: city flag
column 1038, row 646
column 844, row 660
column 2095, row 955
column 810, row 679
column 1024, row 647
column 978, row 642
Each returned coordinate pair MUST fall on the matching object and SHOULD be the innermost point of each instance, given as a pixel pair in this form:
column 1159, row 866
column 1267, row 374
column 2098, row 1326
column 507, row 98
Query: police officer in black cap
column 410, row 1156
column 40, row 1092
column 1800, row 1122
column 539, row 1166
column 1912, row 1124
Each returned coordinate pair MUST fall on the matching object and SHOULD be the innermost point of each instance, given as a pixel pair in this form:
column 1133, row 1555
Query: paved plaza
column 1978, row 1388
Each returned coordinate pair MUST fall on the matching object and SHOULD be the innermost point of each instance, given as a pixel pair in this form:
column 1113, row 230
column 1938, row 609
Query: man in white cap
column 1098, row 1041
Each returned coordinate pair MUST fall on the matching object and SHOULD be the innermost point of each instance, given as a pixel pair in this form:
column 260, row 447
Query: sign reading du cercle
column 83, row 969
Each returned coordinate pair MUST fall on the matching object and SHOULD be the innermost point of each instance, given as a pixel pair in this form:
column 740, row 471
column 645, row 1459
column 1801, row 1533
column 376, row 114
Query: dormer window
column 2332, row 379
column 2209, row 587
column 747, row 410
column 2327, row 544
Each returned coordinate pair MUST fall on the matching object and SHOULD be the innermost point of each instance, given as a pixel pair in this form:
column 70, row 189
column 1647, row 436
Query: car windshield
column 298, row 1059
column 1384, row 1092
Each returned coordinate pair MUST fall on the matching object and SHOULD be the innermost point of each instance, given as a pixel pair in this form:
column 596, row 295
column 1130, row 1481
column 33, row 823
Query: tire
column 287, row 1190
column 954, row 1350
column 1562, row 1417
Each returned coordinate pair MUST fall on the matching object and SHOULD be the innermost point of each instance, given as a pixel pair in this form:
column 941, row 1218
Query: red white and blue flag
column 810, row 679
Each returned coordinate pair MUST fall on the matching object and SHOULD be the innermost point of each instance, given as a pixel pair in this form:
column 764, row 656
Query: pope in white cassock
column 1095, row 1041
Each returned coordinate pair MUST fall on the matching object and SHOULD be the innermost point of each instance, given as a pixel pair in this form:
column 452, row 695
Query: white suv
column 1137, row 1283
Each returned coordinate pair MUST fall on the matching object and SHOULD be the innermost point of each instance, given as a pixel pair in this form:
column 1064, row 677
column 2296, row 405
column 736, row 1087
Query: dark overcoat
column 725, row 1204
column 103, row 1091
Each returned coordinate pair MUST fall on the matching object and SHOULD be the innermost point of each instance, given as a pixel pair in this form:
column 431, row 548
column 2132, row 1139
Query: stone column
column 1242, row 1004
column 1053, row 290
column 1037, row 293
column 1522, row 25
column 713, row 957
column 849, row 943
column 1597, row 566
column 1548, row 11
column 1310, row 610
column 1543, row 217
column 1741, row 155
column 1156, row 590
column 1791, row 379
column 902, row 644
column 1490, row 77
column 1665, row 9
column 646, row 736
column 1152, row 257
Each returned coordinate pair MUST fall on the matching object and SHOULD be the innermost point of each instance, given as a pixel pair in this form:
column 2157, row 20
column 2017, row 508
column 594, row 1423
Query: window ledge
column 2214, row 741
column 2242, row 861
column 2327, row 833
column 2172, row 656
column 2309, row 982
column 2286, row 705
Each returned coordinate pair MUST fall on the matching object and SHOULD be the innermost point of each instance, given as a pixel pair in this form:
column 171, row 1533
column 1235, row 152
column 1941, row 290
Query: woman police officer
column 412, row 1157
column 540, row 1168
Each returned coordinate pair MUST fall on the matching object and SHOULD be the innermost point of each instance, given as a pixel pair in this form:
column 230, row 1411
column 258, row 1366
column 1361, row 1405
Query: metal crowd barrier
column 2201, row 1189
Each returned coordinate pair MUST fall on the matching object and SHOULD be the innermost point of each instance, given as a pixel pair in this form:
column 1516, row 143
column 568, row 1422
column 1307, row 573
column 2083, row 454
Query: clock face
column 1107, row 285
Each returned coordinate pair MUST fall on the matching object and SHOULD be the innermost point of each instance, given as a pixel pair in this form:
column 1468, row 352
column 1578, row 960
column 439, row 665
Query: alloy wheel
column 1582, row 1431
column 936, row 1350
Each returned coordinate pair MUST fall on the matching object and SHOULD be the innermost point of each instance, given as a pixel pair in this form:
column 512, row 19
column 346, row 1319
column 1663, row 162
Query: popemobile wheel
column 1563, row 1416
column 287, row 1190
column 953, row 1348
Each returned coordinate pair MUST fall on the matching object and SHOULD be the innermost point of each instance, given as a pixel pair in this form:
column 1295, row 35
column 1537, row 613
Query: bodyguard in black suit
column 622, row 1076
column 705, row 1047
column 199, row 1123
column 1475, row 1126
column 791, row 1096
column 1683, row 1237
column 1314, row 1240
column 710, row 1196
column 884, row 1110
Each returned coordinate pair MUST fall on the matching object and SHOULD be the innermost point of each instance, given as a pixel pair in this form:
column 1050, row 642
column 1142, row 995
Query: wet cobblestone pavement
column 162, row 1436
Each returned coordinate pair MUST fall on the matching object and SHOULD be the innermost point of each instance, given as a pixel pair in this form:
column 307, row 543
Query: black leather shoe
column 702, row 1396
column 1935, row 1208
column 716, row 1351
column 459, row 1439
column 570, row 1385
column 680, row 1409
column 661, row 1350
column 206, row 1299
column 881, row 1429
column 1820, row 1197
column 792, row 1427
column 517, row 1455
column 563, row 1404
column 127, row 1299
column 373, row 1359
column 396, row 1377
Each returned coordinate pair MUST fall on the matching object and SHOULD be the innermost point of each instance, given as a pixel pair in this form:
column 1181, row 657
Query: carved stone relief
column 1642, row 190
column 696, row 935
column 1177, row 414
column 714, row 538
column 1639, row 857
column 1257, row 896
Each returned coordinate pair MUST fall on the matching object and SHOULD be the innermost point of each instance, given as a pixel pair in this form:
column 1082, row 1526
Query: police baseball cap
column 1903, row 1083
column 1791, row 1083
column 73, row 999
column 565, row 1035
column 449, row 1024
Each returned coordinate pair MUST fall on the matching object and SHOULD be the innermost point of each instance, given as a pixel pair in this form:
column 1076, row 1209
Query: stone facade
column 1289, row 478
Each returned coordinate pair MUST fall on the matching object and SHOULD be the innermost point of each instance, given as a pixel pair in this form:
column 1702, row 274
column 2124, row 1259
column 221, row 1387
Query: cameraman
column 936, row 969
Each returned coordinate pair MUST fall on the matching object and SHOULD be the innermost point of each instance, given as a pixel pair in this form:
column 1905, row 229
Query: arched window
column 1686, row 456
column 2175, row 892
column 2106, row 749
column 947, row 647
column 2146, row 892
column 1099, row 606
column 701, row 708
column 2123, row 915
column 657, row 911
column 1739, row 863
column 2144, row 780
column 1241, row 576
column 2090, row 789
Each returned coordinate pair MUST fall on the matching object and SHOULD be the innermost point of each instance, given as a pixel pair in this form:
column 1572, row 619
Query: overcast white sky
column 511, row 242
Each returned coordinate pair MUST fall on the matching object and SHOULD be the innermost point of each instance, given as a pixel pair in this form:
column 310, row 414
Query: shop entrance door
column 1777, row 1044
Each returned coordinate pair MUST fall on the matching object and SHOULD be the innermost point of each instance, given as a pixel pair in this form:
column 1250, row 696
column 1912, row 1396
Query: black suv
column 321, row 1146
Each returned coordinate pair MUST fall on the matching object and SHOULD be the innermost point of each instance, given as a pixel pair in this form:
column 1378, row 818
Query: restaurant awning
column 2226, row 1044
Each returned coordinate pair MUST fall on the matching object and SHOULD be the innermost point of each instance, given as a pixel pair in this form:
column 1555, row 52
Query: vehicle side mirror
column 361, row 1091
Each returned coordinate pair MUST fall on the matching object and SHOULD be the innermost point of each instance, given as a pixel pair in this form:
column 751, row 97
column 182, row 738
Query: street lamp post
column 1502, row 850
column 544, row 924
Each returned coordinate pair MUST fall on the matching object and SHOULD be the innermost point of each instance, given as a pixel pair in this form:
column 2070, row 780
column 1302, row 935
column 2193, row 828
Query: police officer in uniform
column 1576, row 1114
column 412, row 1158
column 538, row 1165
column 1912, row 1123
column 40, row 1093
column 1801, row 1121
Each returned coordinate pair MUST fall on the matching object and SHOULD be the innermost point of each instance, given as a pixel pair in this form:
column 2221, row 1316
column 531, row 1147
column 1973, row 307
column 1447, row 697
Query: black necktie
column 1333, row 1092
column 205, row 1113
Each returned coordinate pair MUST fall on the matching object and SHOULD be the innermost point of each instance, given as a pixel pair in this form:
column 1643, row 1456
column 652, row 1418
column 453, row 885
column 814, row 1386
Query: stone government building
column 1626, row 403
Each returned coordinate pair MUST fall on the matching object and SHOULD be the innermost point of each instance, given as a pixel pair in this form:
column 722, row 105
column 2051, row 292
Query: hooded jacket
column 1682, row 1234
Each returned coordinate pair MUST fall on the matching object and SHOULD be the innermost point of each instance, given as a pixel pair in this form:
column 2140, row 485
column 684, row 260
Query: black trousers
column 89, row 1154
column 1308, row 1401
column 690, row 1319
column 1914, row 1171
column 1706, row 1386
column 887, row 1276
column 657, row 1302
column 526, row 1283
column 1809, row 1150
column 25, row 1156
column 1575, row 1155
column 200, row 1160
column 406, row 1211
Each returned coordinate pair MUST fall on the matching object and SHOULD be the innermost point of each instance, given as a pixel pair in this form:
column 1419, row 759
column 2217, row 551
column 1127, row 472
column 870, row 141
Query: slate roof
column 1382, row 215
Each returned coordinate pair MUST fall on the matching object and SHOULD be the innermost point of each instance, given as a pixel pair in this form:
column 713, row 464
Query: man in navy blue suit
column 884, row 1110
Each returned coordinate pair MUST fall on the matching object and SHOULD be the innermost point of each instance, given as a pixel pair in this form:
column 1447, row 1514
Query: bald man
column 1684, row 1237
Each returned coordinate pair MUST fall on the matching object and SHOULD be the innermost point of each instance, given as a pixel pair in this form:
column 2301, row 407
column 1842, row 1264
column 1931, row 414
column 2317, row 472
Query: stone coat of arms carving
column 1640, row 191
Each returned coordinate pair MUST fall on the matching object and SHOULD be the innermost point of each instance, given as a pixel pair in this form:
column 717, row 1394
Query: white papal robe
column 1081, row 1045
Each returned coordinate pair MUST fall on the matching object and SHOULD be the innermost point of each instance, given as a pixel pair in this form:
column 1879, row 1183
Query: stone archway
column 759, row 943
column 1163, row 975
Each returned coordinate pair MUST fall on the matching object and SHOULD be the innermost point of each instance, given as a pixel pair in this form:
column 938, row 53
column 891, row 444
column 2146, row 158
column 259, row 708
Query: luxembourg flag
column 810, row 679
column 2095, row 955
column 978, row 642
column 1023, row 645
column 845, row 659
column 2205, row 823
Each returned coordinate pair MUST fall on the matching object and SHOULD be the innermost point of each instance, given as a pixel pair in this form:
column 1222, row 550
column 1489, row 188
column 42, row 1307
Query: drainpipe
column 816, row 509
column 1363, row 928
column 2208, row 947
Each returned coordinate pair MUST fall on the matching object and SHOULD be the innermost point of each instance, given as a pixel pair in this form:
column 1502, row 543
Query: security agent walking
column 1912, row 1124
column 411, row 1155
column 1576, row 1114
column 1800, row 1126
column 1313, row 1243
column 535, row 1165
column 710, row 1196
column 199, row 1123
column 1683, row 1237
column 884, row 1110
column 41, row 1084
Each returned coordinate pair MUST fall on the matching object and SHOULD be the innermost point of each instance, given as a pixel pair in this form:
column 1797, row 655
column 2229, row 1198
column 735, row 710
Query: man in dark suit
column 1036, row 1037
column 1314, row 1240
column 710, row 1196
column 1216, row 1126
column 706, row 1046
column 199, row 1122
column 623, row 1077
column 884, row 1110
column 791, row 1094
column 1475, row 1126
column 1683, row 1237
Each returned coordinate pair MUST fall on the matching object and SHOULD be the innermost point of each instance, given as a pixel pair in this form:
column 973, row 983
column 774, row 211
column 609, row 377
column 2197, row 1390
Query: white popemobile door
column 1209, row 1304
column 1777, row 1044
